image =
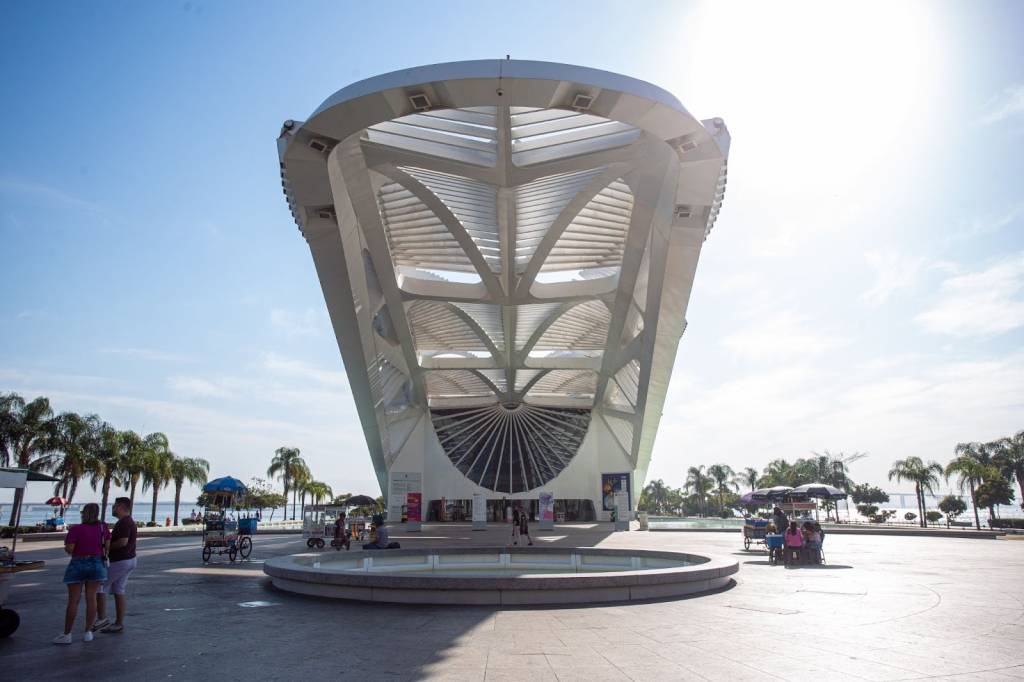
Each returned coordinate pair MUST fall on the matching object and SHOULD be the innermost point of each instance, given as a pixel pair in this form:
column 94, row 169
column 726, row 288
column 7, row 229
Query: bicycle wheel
column 309, row 543
column 232, row 553
column 206, row 553
column 245, row 547
column 746, row 542
column 320, row 544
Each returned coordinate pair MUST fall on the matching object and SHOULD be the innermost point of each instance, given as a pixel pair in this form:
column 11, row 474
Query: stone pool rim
column 707, row 572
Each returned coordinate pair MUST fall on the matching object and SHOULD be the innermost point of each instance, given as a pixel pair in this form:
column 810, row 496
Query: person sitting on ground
column 812, row 543
column 381, row 541
column 794, row 543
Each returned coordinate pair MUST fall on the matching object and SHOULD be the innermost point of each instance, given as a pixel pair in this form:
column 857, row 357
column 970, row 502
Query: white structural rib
column 508, row 248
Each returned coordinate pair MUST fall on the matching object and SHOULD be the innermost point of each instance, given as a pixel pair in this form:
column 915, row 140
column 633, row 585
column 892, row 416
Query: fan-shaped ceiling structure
column 506, row 250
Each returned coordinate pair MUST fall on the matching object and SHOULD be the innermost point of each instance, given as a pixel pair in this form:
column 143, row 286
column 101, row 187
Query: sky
column 862, row 290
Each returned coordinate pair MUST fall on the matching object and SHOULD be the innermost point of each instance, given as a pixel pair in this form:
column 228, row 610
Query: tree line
column 288, row 467
column 74, row 447
column 985, row 471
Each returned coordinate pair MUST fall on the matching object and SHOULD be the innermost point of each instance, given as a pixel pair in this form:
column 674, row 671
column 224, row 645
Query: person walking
column 87, row 544
column 515, row 525
column 341, row 538
column 524, row 526
column 122, row 563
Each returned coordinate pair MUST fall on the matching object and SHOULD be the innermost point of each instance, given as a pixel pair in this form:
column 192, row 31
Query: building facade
column 506, row 250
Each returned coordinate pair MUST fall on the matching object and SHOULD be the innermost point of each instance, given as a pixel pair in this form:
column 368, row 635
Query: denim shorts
column 85, row 569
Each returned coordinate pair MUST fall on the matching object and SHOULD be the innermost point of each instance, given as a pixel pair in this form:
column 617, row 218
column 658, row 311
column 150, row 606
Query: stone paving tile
column 903, row 611
column 591, row 674
column 520, row 675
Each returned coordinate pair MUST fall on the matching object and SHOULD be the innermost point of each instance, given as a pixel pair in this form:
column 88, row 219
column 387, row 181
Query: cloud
column 237, row 432
column 198, row 387
column 892, row 273
column 1007, row 104
column 308, row 323
column 297, row 369
column 980, row 303
column 785, row 334
column 145, row 354
column 891, row 410
column 48, row 194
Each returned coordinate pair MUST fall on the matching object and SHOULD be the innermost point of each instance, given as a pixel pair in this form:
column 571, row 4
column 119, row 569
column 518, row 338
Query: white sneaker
column 88, row 636
column 62, row 639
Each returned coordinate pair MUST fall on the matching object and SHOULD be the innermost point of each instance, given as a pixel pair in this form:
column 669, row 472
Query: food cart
column 318, row 522
column 9, row 565
column 222, row 532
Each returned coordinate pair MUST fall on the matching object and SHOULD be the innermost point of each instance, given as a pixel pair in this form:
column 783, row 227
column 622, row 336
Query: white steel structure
column 506, row 249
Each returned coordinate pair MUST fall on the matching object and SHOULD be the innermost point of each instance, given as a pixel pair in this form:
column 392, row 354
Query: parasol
column 360, row 501
column 774, row 493
column 752, row 499
column 820, row 490
column 58, row 502
column 225, row 484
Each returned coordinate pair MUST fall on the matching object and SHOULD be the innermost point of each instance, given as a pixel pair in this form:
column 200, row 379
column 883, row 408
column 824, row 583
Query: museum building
column 506, row 249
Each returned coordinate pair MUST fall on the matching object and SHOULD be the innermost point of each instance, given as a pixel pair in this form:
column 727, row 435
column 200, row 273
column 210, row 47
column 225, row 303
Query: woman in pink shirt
column 794, row 543
column 87, row 544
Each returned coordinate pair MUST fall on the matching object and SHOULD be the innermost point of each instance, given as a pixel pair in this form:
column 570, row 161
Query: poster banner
column 611, row 484
column 413, row 502
column 403, row 483
column 479, row 512
column 546, row 503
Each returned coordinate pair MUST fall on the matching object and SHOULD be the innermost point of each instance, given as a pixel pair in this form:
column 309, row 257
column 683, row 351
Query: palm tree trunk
column 74, row 489
column 14, row 508
column 977, row 522
column 294, row 496
column 131, row 494
column 177, row 500
column 156, row 491
column 920, row 505
column 106, row 492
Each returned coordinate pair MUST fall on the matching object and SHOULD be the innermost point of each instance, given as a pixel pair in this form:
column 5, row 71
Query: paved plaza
column 884, row 608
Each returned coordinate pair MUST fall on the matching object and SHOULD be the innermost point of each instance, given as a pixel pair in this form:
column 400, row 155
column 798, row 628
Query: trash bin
column 642, row 518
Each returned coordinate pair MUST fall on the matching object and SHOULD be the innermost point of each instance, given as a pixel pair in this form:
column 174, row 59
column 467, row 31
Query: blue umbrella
column 225, row 484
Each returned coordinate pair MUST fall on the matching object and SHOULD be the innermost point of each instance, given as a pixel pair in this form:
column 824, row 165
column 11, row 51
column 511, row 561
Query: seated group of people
column 800, row 544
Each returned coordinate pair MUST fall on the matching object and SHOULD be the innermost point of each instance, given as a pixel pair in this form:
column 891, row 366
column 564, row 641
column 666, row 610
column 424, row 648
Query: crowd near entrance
column 462, row 510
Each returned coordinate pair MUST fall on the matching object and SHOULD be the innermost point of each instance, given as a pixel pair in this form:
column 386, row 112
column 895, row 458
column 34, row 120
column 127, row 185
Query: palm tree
column 303, row 478
column 984, row 454
column 72, row 450
column 657, row 496
column 285, row 464
column 191, row 469
column 157, row 473
column 28, row 434
column 970, row 473
column 105, row 461
column 133, row 462
column 722, row 475
column 1010, row 459
column 924, row 476
column 319, row 491
column 699, row 482
column 749, row 476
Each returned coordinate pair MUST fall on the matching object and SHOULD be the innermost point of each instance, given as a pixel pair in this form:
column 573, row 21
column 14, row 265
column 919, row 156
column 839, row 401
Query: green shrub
column 910, row 516
column 933, row 516
column 1006, row 523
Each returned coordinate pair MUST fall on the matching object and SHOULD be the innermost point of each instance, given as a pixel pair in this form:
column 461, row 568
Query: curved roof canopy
column 507, row 246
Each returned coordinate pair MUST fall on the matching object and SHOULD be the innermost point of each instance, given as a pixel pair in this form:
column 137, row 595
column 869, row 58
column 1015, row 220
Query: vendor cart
column 222, row 532
column 318, row 522
column 754, row 531
column 9, row 565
